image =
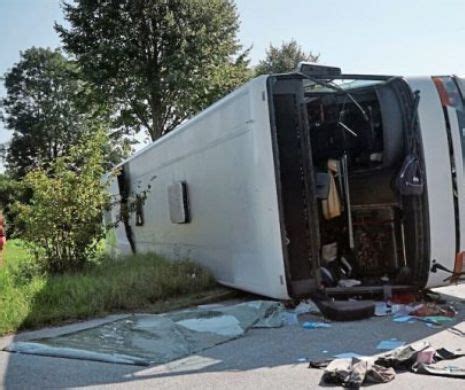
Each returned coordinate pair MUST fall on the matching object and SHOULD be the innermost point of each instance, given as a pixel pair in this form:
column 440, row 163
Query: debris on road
column 404, row 307
column 347, row 355
column 146, row 339
column 433, row 309
column 315, row 325
column 436, row 320
column 356, row 371
column 306, row 307
column 350, row 310
column 419, row 358
column 382, row 309
column 403, row 319
column 390, row 344
column 291, row 316
column 410, row 308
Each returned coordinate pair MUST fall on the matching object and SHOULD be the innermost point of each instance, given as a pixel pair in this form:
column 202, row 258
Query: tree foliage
column 284, row 58
column 63, row 217
column 11, row 190
column 158, row 61
column 47, row 106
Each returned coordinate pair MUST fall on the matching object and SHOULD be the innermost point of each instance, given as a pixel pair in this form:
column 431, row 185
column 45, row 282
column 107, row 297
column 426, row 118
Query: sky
column 401, row 37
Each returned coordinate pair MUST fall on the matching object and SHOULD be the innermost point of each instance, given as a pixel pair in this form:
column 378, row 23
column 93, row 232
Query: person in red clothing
column 2, row 237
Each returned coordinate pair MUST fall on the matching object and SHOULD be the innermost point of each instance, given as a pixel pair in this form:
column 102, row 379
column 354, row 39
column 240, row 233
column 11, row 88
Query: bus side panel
column 439, row 178
column 225, row 157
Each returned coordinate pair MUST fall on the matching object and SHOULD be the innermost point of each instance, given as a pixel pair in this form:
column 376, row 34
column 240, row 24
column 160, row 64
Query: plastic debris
column 289, row 318
column 347, row 355
column 305, row 307
column 390, row 344
column 315, row 325
column 433, row 326
column 403, row 319
column 225, row 325
column 433, row 309
column 157, row 338
column 431, row 321
column 382, row 309
column 400, row 310
column 349, row 283
column 438, row 320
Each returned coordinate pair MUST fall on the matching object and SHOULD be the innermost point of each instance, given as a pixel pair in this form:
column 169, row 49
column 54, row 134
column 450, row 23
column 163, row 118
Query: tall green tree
column 47, row 105
column 158, row 61
column 284, row 58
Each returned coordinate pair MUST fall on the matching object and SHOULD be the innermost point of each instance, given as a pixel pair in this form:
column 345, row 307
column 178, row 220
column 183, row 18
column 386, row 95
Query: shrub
column 25, row 271
column 63, row 220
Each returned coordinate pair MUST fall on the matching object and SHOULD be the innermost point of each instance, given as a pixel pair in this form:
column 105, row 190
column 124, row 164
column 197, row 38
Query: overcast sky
column 362, row 36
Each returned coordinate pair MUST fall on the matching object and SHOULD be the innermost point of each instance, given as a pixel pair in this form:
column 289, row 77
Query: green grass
column 138, row 282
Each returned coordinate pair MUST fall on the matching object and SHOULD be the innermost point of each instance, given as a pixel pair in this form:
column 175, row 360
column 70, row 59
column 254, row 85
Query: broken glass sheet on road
column 146, row 339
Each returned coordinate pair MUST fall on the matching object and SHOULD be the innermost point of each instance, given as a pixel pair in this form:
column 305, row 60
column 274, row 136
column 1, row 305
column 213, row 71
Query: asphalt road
column 262, row 359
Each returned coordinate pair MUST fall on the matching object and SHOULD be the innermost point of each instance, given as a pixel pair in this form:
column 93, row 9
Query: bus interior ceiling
column 358, row 147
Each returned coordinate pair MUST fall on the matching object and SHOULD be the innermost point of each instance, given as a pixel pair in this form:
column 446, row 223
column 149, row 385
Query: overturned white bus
column 300, row 181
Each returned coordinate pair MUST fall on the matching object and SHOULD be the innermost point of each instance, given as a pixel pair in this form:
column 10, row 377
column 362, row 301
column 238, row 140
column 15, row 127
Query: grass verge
column 139, row 282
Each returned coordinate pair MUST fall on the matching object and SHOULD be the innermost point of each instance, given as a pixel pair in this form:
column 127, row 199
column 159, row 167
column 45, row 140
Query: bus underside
column 344, row 147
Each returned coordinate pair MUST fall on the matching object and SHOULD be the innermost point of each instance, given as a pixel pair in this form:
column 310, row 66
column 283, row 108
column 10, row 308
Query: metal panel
column 299, row 210
column 439, row 178
column 225, row 155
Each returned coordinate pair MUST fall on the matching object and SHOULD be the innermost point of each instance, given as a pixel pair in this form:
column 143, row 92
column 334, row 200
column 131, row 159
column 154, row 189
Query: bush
column 63, row 220
column 26, row 271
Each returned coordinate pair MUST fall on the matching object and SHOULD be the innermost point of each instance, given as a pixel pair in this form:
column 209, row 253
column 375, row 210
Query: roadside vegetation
column 30, row 298
column 59, row 271
column 74, row 115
